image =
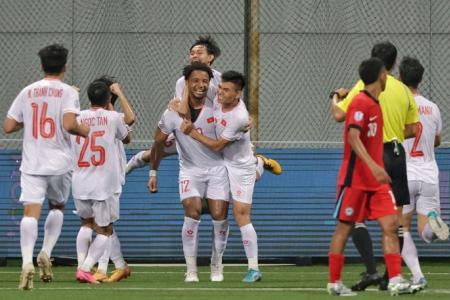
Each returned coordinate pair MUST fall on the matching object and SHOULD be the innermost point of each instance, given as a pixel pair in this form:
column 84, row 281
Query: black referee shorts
column 395, row 165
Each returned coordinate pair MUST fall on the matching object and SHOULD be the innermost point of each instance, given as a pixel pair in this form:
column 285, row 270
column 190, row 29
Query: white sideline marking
column 243, row 289
column 236, row 272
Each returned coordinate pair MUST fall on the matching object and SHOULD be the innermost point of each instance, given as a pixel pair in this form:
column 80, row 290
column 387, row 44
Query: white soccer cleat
column 216, row 273
column 419, row 285
column 439, row 228
column 45, row 267
column 135, row 162
column 339, row 289
column 399, row 285
column 191, row 277
column 26, row 277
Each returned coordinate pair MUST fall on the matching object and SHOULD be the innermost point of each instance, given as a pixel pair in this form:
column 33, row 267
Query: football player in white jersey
column 113, row 248
column 231, row 115
column 47, row 111
column 97, row 176
column 202, row 172
column 423, row 173
column 204, row 50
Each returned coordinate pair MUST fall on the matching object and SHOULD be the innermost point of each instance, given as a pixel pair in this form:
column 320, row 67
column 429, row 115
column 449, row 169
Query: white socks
column 189, row 237
column 53, row 225
column 221, row 230
column 84, row 238
column 250, row 241
column 409, row 254
column 28, row 236
column 259, row 167
column 96, row 250
column 104, row 259
column 427, row 234
column 116, row 252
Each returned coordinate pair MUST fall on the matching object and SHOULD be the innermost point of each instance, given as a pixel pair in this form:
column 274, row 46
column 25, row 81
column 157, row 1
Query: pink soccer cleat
column 85, row 277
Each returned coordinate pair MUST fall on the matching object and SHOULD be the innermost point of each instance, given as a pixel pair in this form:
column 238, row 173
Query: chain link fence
column 306, row 49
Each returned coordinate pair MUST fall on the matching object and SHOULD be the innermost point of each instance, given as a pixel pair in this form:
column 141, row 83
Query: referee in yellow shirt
column 400, row 116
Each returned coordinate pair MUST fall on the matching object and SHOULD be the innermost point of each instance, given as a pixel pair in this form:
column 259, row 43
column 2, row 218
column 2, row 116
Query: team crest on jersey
column 358, row 115
column 223, row 123
column 349, row 211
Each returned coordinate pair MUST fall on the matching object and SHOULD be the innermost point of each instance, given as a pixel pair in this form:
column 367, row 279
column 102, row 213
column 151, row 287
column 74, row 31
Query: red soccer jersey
column 363, row 113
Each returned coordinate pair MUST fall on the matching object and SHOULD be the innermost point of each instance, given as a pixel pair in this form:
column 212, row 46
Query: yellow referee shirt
column 397, row 105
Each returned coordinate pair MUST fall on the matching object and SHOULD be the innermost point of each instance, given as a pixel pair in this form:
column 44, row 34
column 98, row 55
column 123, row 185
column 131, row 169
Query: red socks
column 393, row 264
column 335, row 265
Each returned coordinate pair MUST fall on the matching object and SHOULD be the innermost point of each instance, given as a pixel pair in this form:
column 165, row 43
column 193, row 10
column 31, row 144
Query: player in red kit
column 363, row 184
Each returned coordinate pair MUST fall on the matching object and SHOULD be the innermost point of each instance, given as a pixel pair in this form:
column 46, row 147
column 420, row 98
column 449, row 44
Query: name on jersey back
column 45, row 92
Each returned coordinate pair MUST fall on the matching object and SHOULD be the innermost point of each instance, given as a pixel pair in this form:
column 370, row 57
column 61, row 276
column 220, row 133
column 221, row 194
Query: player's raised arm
column 336, row 111
column 128, row 113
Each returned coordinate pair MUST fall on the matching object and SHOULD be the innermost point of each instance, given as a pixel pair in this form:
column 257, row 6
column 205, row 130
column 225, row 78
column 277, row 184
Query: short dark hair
column 235, row 77
column 385, row 51
column 98, row 93
column 411, row 71
column 369, row 70
column 210, row 44
column 187, row 71
column 109, row 80
column 53, row 58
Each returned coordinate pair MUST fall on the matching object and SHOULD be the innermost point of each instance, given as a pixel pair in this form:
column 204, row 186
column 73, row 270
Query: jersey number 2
column 94, row 148
column 42, row 122
column 414, row 152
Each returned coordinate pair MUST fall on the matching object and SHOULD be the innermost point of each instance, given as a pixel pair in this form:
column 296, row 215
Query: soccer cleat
column 271, row 165
column 419, row 285
column 119, row 274
column 339, row 289
column 252, row 276
column 135, row 163
column 26, row 277
column 45, row 267
column 100, row 277
column 191, row 277
column 366, row 280
column 216, row 273
column 399, row 286
column 439, row 228
column 85, row 277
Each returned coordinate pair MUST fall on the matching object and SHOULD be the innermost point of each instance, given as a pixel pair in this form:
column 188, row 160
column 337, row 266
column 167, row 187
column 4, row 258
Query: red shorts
column 354, row 205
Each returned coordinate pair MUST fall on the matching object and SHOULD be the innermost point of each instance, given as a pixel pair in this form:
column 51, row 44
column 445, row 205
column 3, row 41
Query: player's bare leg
column 192, row 212
column 28, row 236
column 219, row 211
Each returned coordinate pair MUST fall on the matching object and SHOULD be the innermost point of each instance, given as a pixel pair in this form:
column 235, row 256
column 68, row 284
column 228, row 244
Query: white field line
column 299, row 272
column 206, row 289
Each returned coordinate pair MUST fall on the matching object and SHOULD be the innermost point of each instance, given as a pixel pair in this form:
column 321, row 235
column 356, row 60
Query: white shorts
column 104, row 212
column 170, row 146
column 242, row 183
column 424, row 198
column 36, row 187
column 211, row 183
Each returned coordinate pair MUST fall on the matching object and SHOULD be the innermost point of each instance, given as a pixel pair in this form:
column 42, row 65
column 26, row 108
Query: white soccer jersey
column 420, row 158
column 212, row 90
column 46, row 146
column 97, row 172
column 192, row 154
column 230, row 125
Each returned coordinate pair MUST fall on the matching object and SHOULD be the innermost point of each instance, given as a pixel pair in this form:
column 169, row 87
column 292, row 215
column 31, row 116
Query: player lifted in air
column 97, row 177
column 204, row 50
column 47, row 111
